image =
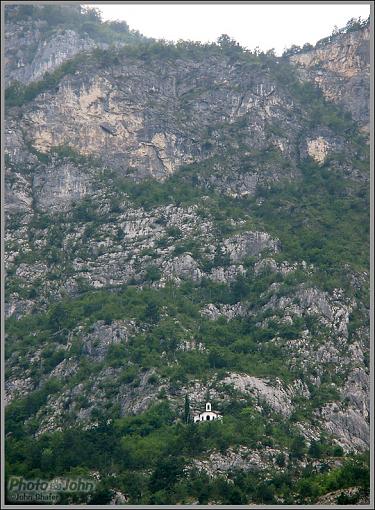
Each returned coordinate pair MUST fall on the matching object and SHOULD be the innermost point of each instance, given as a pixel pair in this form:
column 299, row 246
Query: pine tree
column 187, row 416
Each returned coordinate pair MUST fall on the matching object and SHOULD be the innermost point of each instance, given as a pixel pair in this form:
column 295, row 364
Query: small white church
column 208, row 414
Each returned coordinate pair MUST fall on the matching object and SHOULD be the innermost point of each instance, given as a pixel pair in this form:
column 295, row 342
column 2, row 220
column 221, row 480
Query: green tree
column 187, row 416
column 308, row 489
column 280, row 459
column 151, row 313
column 59, row 318
column 264, row 493
column 229, row 45
column 153, row 273
column 297, row 448
column 315, row 449
column 166, row 473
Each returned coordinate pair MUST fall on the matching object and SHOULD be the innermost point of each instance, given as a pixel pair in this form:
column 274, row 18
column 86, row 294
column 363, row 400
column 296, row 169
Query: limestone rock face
column 318, row 149
column 58, row 186
column 241, row 459
column 171, row 215
column 184, row 267
column 341, row 68
column 102, row 336
column 349, row 425
column 37, row 43
column 333, row 498
column 275, row 396
column 120, row 115
column 49, row 54
column 228, row 311
column 331, row 311
column 250, row 244
column 18, row 194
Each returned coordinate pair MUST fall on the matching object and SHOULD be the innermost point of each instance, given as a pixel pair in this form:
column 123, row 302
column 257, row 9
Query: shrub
column 153, row 273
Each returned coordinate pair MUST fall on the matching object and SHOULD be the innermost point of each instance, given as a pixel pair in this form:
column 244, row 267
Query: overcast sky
column 267, row 26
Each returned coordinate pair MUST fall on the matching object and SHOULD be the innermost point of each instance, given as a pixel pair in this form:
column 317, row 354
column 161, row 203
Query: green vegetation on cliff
column 241, row 279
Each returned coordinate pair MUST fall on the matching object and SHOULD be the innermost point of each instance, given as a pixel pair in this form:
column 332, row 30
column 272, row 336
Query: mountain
column 186, row 223
column 339, row 65
column 39, row 38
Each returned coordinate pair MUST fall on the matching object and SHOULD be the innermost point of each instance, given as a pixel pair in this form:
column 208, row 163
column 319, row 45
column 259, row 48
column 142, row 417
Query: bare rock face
column 128, row 118
column 38, row 40
column 15, row 387
column 241, row 458
column 228, row 311
column 183, row 267
column 236, row 187
column 330, row 309
column 57, row 186
column 102, row 336
column 226, row 274
column 17, row 307
column 358, row 379
column 18, row 194
column 82, row 399
column 138, row 398
column 21, row 40
column 320, row 144
column 269, row 264
column 48, row 55
column 276, row 396
column 119, row 498
column 318, row 149
column 349, row 426
column 341, row 68
column 249, row 244
column 354, row 493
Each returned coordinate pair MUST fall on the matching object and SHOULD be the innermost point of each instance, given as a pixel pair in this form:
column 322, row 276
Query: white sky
column 266, row 25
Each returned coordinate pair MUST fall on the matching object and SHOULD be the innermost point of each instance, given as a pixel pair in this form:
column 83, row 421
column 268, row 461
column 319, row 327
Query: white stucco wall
column 203, row 416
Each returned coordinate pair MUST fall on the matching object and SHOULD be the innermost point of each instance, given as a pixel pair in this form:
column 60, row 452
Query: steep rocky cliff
column 341, row 68
column 186, row 220
column 39, row 39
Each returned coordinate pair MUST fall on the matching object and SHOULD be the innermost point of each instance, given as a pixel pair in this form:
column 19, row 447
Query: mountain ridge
column 187, row 219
